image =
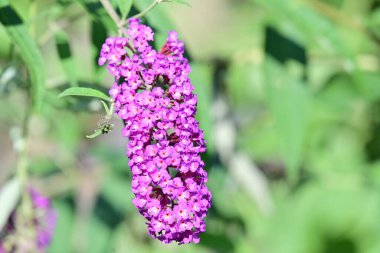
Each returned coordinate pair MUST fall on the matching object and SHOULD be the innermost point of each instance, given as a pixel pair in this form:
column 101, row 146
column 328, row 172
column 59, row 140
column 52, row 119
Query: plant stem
column 23, row 152
column 150, row 7
column 24, row 215
column 57, row 26
column 335, row 14
column 22, row 164
column 110, row 112
column 121, row 22
column 110, row 10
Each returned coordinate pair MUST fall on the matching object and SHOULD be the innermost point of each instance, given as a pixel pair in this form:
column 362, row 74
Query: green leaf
column 98, row 234
column 67, row 61
column 28, row 50
column 9, row 196
column 374, row 22
column 184, row 2
column 97, row 12
column 62, row 239
column 82, row 91
column 289, row 101
column 201, row 78
column 98, row 36
column 322, row 218
column 68, row 135
column 105, row 106
column 124, row 6
column 306, row 24
column 116, row 190
column 95, row 134
column 368, row 85
column 156, row 17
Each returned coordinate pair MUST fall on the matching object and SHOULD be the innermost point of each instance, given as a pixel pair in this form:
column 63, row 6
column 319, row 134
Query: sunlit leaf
column 116, row 190
column 82, row 91
column 9, row 196
column 184, row 2
column 98, row 235
column 156, row 17
column 28, row 50
column 105, row 106
column 368, row 84
column 305, row 25
column 289, row 102
column 65, row 227
column 95, row 134
column 124, row 6
column 330, row 220
column 201, row 78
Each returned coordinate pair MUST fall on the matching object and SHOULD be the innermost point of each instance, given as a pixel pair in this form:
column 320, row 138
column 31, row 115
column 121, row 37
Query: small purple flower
column 44, row 220
column 154, row 97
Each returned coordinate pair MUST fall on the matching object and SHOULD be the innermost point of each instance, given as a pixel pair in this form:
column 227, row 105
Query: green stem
column 111, row 11
column 22, row 165
column 110, row 112
column 149, row 8
column 121, row 22
column 24, row 215
column 139, row 15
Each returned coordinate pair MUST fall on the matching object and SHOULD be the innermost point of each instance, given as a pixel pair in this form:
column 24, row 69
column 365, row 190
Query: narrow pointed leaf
column 95, row 134
column 105, row 107
column 27, row 48
column 289, row 101
column 124, row 7
column 184, row 2
column 82, row 91
column 157, row 17
column 9, row 196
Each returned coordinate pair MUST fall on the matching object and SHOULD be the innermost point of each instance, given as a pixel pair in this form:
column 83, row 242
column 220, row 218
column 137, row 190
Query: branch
column 150, row 7
column 111, row 11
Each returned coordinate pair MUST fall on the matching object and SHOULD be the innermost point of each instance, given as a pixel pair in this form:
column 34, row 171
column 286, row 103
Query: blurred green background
column 289, row 99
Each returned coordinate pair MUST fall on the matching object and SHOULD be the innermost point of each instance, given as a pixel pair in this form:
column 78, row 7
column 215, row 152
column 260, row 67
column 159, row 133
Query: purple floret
column 44, row 221
column 153, row 95
column 45, row 218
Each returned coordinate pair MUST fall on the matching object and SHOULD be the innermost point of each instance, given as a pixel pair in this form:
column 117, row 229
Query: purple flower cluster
column 154, row 97
column 44, row 220
column 44, row 217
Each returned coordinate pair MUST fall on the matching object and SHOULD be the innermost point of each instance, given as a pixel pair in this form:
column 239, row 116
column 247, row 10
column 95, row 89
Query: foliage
column 289, row 97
